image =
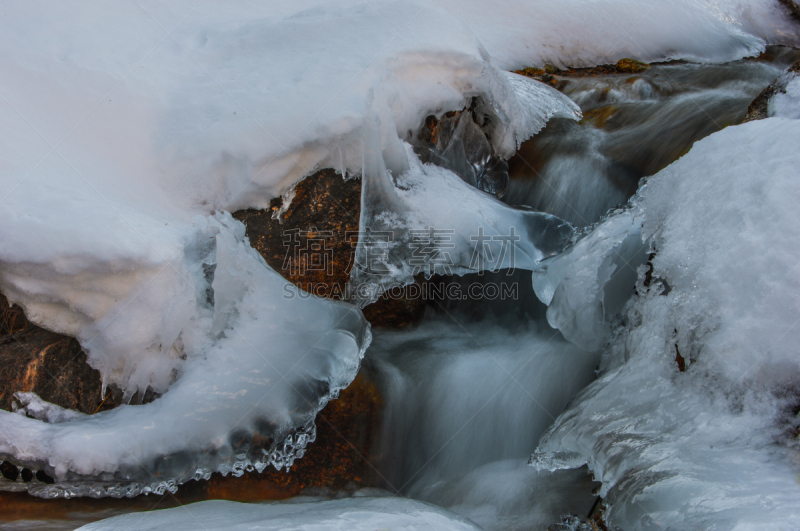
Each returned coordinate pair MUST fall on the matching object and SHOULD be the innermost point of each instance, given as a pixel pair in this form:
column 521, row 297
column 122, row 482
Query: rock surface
column 51, row 365
column 311, row 242
column 553, row 75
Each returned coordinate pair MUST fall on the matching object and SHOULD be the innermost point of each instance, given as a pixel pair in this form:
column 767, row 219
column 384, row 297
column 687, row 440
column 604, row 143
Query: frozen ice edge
column 708, row 446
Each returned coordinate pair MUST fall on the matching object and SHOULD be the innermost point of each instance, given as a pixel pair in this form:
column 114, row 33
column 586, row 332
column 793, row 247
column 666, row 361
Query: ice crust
column 710, row 447
column 116, row 140
column 358, row 513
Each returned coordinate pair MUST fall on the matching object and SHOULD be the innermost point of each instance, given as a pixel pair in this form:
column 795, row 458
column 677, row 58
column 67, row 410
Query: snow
column 590, row 32
column 711, row 446
column 32, row 406
column 121, row 142
column 354, row 514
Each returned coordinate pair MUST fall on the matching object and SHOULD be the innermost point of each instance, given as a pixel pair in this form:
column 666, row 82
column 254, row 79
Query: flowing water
column 471, row 390
column 465, row 404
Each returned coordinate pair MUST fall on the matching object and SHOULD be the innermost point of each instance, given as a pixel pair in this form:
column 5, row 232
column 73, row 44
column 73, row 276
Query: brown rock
column 600, row 115
column 51, row 365
column 312, row 243
column 551, row 74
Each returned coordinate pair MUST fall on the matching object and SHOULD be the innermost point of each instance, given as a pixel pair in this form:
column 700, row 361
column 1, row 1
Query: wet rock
column 9, row 471
column 551, row 74
column 599, row 116
column 631, row 66
column 759, row 108
column 311, row 242
column 51, row 365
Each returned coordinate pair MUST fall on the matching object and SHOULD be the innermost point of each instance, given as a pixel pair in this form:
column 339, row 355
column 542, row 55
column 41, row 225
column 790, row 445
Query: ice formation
column 427, row 220
column 125, row 126
column 692, row 424
column 358, row 513
column 261, row 361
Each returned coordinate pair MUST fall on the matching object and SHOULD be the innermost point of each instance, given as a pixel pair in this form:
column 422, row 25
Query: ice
column 427, row 220
column 578, row 285
column 786, row 103
column 115, row 140
column 32, row 406
column 358, row 513
column 262, row 360
column 712, row 445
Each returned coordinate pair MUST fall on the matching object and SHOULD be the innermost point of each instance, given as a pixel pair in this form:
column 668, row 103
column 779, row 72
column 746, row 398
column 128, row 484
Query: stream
column 465, row 405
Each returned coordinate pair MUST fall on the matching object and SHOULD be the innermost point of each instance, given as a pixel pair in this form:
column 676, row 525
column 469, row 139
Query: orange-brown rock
column 599, row 116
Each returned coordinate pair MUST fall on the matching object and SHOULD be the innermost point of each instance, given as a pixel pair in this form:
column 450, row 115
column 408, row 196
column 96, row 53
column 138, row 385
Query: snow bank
column 590, row 32
column 350, row 514
column 706, row 447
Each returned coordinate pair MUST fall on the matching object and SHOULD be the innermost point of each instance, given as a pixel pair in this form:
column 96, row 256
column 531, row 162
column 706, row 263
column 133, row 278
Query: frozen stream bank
column 127, row 148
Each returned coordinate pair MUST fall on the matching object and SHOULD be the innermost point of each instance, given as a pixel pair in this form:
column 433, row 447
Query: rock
column 312, row 242
column 51, row 365
column 759, row 107
column 546, row 75
column 631, row 66
column 460, row 142
column 599, row 116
